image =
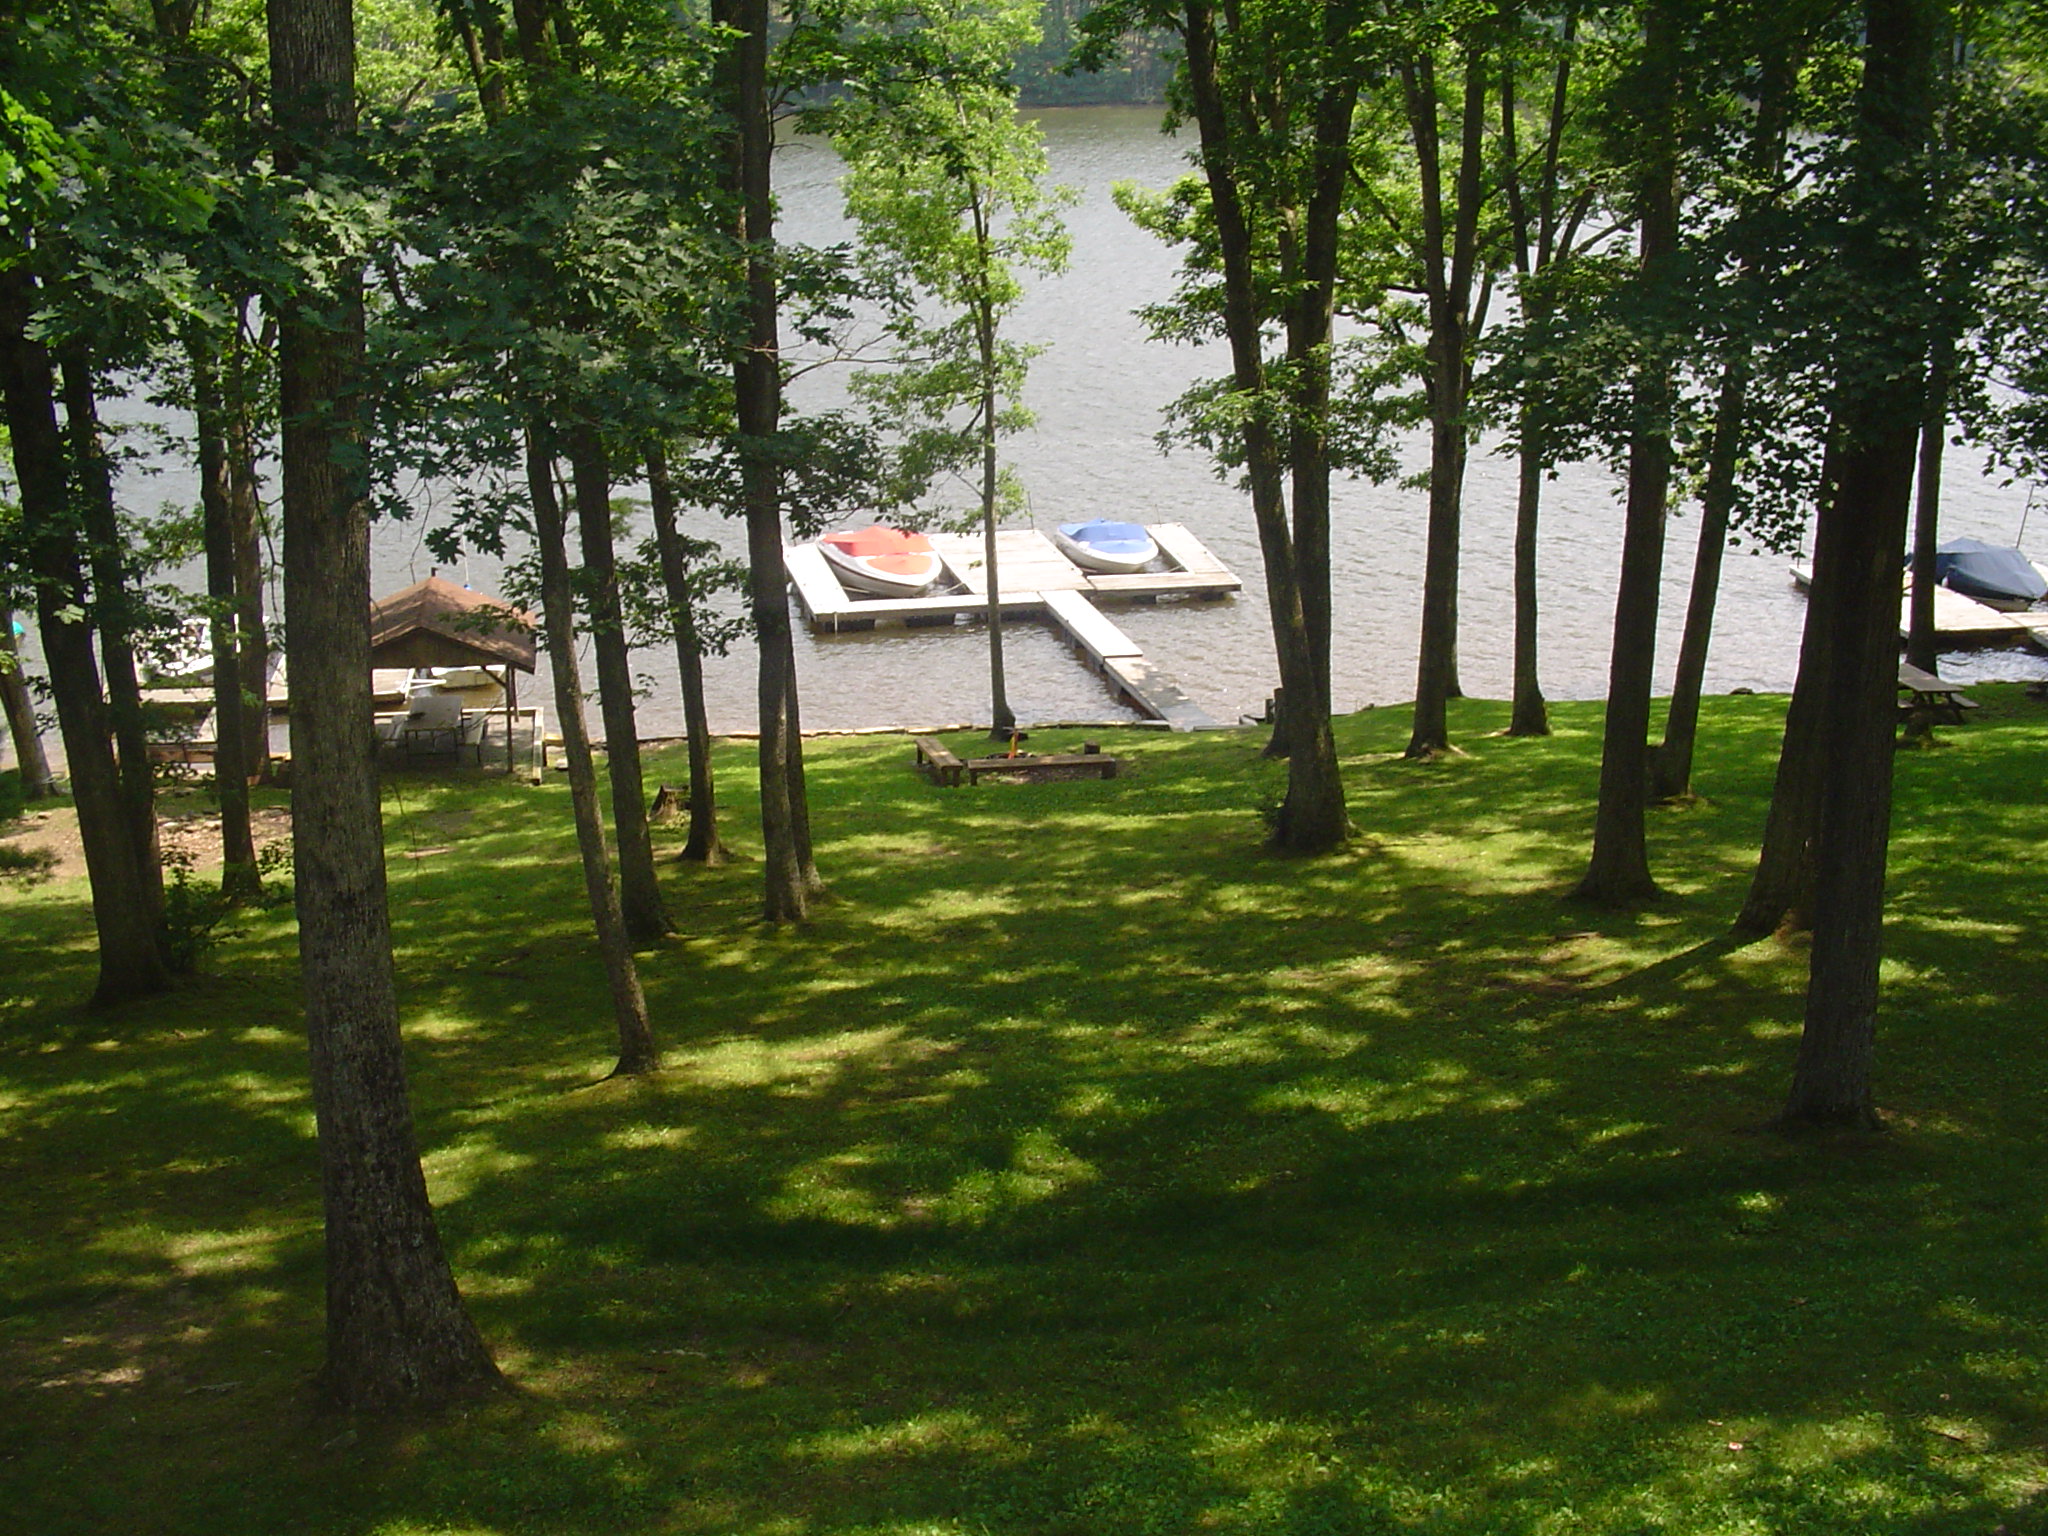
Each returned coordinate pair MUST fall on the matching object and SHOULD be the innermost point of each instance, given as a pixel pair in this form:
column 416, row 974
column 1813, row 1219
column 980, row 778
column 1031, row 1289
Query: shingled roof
column 434, row 623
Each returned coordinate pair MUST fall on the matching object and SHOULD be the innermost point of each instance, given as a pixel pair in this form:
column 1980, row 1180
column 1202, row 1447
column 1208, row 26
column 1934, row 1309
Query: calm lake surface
column 1099, row 388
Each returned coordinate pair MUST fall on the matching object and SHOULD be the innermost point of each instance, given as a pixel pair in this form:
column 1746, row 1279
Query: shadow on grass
column 1084, row 1168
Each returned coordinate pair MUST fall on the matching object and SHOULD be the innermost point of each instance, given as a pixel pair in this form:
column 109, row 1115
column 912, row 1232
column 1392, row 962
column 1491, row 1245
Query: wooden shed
column 436, row 624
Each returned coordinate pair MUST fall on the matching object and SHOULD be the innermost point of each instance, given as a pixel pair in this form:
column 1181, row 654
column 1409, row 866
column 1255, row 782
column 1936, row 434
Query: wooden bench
column 1926, row 698
column 1054, row 765
column 181, row 752
column 938, row 761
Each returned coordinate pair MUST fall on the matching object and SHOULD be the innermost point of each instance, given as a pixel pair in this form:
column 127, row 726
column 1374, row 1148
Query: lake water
column 1098, row 389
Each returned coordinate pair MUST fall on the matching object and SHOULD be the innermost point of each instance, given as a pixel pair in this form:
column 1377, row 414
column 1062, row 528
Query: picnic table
column 1927, row 698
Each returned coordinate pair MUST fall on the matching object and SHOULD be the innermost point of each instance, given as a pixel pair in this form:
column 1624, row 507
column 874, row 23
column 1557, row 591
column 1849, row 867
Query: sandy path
column 184, row 827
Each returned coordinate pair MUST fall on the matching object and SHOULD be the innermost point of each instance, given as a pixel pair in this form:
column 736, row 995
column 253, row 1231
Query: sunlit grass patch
column 1083, row 1169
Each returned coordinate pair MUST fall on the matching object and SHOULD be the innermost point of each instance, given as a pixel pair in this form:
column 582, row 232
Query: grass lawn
column 1084, row 1169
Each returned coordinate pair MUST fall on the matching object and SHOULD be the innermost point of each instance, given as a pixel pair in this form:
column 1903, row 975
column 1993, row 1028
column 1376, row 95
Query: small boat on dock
column 887, row 562
column 1996, row 575
column 1115, row 549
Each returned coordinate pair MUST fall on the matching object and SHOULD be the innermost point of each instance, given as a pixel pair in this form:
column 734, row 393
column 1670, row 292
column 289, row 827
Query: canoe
column 1101, row 545
column 887, row 562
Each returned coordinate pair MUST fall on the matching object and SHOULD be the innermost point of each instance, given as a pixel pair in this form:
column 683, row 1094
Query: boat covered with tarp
column 1994, row 574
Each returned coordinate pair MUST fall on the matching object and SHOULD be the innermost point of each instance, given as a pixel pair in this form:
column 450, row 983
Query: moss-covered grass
column 1084, row 1169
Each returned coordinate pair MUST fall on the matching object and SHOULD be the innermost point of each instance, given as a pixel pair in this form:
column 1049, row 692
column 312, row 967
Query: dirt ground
column 185, row 827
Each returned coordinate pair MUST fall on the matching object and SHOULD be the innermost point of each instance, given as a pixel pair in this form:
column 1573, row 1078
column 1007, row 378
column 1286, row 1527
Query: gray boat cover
column 1975, row 568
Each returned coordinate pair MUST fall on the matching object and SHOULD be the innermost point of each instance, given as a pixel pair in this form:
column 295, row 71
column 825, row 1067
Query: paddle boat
column 1996, row 575
column 1101, row 545
column 886, row 562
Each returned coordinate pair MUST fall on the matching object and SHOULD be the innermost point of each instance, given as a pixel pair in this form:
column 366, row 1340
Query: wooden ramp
column 1117, row 657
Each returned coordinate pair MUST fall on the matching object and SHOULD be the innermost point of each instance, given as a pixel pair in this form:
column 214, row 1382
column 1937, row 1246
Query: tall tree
column 216, row 99
column 637, row 1052
column 1619, row 872
column 703, row 844
column 1455, row 296
column 131, row 959
column 51, row 149
column 639, row 893
column 790, row 872
column 1548, row 199
column 945, row 182
column 1879, row 405
column 231, row 756
column 1311, row 818
column 548, row 43
column 397, row 1332
column 1272, row 89
column 1743, row 315
column 116, row 616
column 1780, row 894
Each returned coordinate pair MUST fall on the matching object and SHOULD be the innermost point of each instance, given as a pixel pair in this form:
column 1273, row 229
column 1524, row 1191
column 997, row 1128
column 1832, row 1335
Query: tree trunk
column 637, row 1051
column 790, row 875
column 1884, row 399
column 1780, row 897
column 1922, row 645
column 1449, row 249
column 245, row 525
column 1671, row 764
column 30, row 760
column 114, row 616
column 1536, row 237
column 397, row 1333
column 131, row 962
column 1312, row 818
column 799, row 797
column 238, row 878
column 1436, row 670
column 1530, row 714
column 703, row 846
column 639, row 891
column 1002, row 722
column 234, row 557
column 1619, row 872
column 1310, row 322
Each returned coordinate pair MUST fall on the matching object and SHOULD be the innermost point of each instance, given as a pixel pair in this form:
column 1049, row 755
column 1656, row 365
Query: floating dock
column 1037, row 579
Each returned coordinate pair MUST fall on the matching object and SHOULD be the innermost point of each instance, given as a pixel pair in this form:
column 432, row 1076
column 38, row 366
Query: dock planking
column 1960, row 620
column 1026, row 561
column 1087, row 627
column 1187, row 552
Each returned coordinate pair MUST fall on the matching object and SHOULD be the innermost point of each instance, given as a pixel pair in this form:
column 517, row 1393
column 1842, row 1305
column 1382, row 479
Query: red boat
column 885, row 561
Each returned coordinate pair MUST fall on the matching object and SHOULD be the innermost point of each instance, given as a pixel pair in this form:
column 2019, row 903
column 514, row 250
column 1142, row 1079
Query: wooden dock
column 1961, row 621
column 1037, row 579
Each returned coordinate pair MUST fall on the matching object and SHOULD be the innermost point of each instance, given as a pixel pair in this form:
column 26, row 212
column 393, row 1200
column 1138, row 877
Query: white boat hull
column 858, row 575
column 1090, row 558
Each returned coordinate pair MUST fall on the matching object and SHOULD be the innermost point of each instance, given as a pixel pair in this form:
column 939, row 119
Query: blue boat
column 1996, row 575
column 1101, row 545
